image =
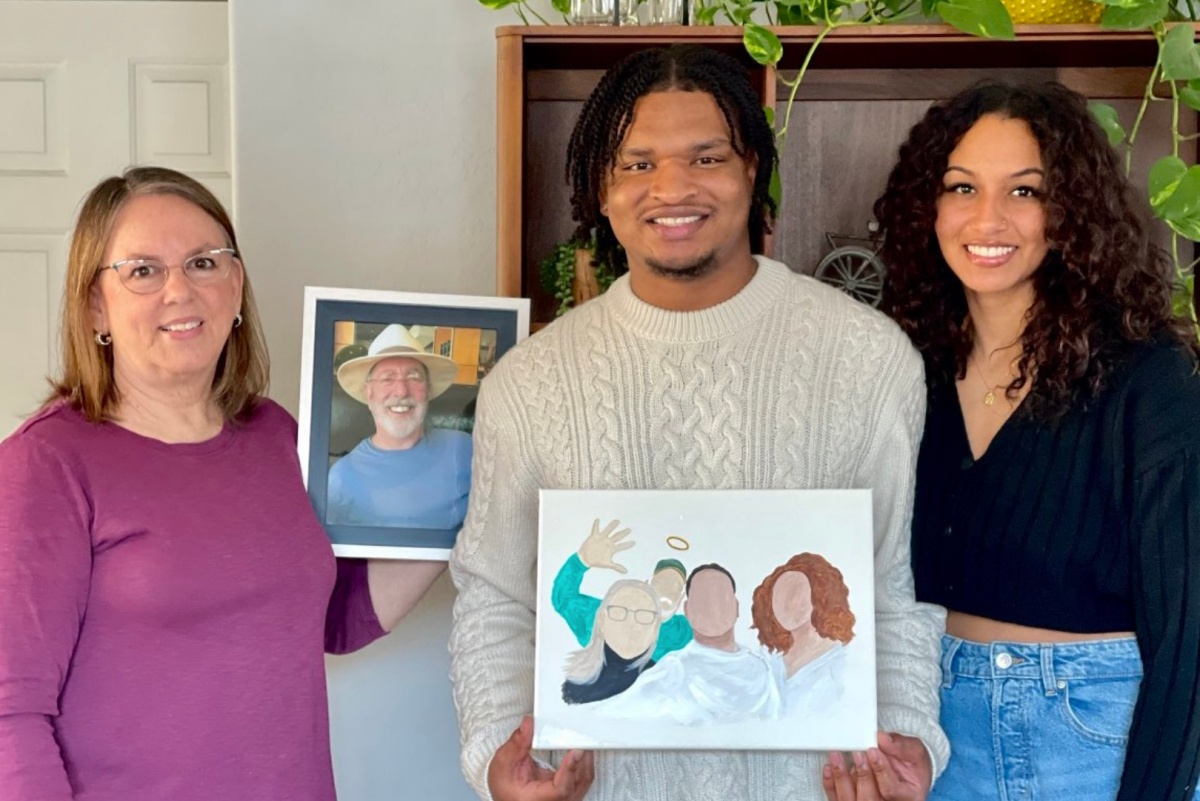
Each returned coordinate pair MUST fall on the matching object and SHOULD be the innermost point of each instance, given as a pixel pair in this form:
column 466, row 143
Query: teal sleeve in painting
column 577, row 609
column 673, row 635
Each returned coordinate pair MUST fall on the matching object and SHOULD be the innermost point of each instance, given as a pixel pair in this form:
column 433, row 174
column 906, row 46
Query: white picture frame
column 344, row 324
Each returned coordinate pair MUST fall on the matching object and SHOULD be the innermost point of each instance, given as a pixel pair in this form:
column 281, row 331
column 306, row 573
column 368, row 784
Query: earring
column 237, row 321
column 103, row 340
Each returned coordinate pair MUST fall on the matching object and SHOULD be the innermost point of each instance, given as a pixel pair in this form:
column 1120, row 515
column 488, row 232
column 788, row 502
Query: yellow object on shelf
column 1053, row 12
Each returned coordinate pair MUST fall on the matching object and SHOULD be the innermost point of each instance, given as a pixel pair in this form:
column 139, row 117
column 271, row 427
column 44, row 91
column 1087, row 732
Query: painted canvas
column 705, row 619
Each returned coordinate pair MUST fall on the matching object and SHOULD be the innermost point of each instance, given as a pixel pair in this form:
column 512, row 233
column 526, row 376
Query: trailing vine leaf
column 1165, row 175
column 1106, row 115
column 1187, row 227
column 1183, row 204
column 1190, row 94
column 775, row 188
column 561, row 6
column 762, row 45
column 1183, row 296
column 496, row 5
column 706, row 14
column 793, row 15
column 987, row 18
column 770, row 115
column 1134, row 17
column 929, row 8
column 1180, row 57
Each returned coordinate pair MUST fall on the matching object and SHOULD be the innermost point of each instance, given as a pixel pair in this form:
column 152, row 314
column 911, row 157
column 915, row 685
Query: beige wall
column 365, row 157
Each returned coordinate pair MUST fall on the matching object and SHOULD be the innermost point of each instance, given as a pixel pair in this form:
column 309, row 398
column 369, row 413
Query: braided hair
column 608, row 112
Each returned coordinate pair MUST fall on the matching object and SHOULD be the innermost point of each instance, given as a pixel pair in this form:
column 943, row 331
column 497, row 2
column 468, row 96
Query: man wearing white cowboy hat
column 402, row 476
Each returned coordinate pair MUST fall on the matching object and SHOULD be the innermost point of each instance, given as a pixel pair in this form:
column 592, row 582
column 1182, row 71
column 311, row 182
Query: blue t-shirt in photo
column 425, row 486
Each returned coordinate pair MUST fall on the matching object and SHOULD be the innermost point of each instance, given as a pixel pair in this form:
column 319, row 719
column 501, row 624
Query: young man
column 703, row 368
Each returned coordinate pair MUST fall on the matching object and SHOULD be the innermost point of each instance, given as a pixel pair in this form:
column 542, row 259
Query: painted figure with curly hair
column 802, row 614
column 1056, row 514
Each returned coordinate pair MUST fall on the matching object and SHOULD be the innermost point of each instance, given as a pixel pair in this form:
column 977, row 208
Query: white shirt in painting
column 698, row 684
column 812, row 688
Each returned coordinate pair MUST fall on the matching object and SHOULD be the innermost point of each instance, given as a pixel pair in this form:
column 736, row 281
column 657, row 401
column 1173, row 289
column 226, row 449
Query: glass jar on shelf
column 604, row 12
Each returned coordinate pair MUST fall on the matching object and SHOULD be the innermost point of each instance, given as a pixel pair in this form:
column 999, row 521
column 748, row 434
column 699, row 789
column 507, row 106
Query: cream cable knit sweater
column 790, row 384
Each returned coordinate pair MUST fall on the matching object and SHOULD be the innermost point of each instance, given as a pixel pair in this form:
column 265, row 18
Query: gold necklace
column 990, row 395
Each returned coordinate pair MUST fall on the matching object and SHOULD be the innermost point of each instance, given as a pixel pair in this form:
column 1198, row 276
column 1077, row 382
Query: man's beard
column 398, row 428
column 690, row 271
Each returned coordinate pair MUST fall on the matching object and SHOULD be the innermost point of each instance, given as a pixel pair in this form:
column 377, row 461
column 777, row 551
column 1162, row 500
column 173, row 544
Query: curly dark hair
column 606, row 115
column 831, row 615
column 1102, row 286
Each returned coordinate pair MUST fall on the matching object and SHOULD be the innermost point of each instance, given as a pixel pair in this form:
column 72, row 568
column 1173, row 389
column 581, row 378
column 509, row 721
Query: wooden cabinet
column 864, row 90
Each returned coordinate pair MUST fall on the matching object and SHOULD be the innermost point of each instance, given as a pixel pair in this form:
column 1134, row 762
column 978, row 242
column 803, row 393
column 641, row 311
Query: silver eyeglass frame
column 117, row 265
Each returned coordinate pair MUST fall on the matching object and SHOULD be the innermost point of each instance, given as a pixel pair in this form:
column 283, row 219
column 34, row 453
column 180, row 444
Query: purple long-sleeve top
column 163, row 615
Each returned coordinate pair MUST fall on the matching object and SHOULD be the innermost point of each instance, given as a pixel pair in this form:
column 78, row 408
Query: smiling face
column 678, row 196
column 990, row 219
column 791, row 600
column 173, row 336
column 397, row 392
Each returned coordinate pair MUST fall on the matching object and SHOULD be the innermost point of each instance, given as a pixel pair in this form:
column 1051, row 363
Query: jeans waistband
column 1050, row 663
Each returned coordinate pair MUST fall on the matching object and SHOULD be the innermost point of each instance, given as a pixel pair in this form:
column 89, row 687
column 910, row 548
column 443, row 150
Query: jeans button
column 1004, row 661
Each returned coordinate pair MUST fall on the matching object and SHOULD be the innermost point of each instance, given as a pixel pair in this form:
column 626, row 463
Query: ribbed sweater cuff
column 903, row 720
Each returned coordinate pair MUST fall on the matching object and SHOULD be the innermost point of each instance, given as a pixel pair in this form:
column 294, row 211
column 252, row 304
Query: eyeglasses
column 391, row 379
column 144, row 276
column 643, row 616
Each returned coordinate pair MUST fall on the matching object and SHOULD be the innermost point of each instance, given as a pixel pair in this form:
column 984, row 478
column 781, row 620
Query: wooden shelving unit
column 864, row 90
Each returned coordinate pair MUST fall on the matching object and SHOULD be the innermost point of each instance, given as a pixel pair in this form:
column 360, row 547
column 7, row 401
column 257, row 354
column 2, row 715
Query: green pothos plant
column 1173, row 188
column 558, row 271
column 525, row 10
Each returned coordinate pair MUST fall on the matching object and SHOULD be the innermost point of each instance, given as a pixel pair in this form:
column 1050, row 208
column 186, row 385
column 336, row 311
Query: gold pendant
column 989, row 399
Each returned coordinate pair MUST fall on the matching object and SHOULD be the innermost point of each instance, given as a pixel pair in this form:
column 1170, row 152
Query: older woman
column 624, row 635
column 1056, row 514
column 165, row 590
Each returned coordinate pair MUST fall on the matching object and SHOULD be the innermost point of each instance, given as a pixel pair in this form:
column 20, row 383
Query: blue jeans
column 1036, row 722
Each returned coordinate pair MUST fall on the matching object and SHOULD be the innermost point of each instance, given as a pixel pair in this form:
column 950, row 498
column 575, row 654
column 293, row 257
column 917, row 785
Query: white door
column 86, row 89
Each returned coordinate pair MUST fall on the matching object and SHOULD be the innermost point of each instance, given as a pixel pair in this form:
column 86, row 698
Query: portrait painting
column 705, row 619
column 388, row 392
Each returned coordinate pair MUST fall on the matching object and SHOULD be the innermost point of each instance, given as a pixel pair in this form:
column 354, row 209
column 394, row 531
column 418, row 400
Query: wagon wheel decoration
column 855, row 270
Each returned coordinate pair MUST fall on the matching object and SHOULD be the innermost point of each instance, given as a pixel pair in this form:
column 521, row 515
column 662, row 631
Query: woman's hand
column 898, row 770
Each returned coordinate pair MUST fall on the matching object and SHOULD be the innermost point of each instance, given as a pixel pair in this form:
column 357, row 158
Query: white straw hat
column 396, row 340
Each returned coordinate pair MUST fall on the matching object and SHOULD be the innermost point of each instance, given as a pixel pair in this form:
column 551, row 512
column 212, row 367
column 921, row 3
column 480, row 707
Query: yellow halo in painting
column 678, row 543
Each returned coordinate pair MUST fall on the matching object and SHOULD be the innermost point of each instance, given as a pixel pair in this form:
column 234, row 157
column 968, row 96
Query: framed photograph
column 387, row 404
column 705, row 619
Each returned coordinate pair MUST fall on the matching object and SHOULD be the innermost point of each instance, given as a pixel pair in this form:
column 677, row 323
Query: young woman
column 1057, row 514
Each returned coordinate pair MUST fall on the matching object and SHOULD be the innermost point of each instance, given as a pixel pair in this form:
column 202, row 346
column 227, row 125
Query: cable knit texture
column 787, row 385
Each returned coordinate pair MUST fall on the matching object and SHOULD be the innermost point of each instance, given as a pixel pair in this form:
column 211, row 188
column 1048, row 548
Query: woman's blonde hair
column 86, row 383
column 584, row 665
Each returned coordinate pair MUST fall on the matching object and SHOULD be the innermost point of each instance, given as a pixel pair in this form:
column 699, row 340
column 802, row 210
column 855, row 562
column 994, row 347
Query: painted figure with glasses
column 404, row 475
column 624, row 635
column 166, row 592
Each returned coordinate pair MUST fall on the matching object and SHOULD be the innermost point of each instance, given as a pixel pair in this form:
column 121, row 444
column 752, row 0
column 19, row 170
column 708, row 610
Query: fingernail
column 860, row 761
column 827, row 772
column 835, row 759
column 875, row 756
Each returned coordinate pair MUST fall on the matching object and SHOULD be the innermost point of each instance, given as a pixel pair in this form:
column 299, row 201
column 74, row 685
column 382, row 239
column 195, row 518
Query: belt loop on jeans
column 1049, row 684
column 948, row 661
